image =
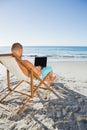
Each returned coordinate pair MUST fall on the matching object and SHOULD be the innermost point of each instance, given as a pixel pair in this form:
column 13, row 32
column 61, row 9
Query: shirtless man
column 17, row 49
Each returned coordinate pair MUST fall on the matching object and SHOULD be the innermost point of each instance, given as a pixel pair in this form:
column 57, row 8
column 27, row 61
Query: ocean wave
column 56, row 57
column 56, row 53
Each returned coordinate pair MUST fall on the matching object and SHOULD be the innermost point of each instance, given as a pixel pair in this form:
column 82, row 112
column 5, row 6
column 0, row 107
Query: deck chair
column 11, row 64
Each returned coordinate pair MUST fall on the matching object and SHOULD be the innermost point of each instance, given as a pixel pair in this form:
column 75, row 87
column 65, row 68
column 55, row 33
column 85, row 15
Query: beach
column 62, row 108
column 73, row 74
column 43, row 33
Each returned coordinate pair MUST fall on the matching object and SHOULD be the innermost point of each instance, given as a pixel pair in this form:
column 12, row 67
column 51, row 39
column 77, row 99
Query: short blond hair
column 16, row 46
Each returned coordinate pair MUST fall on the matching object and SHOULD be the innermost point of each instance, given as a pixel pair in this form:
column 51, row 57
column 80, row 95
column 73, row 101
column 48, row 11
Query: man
column 17, row 49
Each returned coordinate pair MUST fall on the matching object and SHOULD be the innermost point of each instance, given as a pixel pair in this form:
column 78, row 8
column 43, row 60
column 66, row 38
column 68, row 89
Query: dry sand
column 73, row 74
column 63, row 108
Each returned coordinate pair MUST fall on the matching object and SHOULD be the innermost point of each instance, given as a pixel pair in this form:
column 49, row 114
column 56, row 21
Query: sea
column 53, row 53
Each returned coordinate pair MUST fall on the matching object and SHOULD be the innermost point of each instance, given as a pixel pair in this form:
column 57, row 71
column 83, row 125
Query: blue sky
column 43, row 22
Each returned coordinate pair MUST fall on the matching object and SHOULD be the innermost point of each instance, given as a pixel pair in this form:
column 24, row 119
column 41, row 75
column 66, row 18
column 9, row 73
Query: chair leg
column 10, row 91
column 5, row 96
column 42, row 82
column 32, row 85
column 23, row 105
column 32, row 90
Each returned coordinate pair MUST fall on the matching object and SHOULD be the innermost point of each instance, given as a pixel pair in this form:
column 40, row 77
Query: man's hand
column 38, row 67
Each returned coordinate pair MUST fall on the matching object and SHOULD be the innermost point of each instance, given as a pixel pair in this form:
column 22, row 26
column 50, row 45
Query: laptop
column 41, row 61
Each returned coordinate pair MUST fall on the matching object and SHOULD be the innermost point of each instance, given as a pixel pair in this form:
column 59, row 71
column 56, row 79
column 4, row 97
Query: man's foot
column 52, row 80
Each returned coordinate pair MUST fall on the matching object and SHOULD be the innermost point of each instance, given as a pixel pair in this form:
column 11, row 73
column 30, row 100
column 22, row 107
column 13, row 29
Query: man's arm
column 36, row 70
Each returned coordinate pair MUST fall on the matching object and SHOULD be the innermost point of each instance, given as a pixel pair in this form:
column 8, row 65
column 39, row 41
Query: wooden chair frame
column 30, row 83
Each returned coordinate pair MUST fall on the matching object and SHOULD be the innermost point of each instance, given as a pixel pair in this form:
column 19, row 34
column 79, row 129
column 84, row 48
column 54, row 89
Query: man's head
column 17, row 48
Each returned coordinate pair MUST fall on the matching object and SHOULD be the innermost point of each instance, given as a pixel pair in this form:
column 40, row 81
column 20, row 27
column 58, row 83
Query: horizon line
column 48, row 45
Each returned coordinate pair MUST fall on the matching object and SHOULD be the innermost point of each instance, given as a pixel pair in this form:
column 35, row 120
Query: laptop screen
column 40, row 61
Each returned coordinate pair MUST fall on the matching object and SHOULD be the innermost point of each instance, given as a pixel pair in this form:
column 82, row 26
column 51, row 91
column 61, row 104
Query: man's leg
column 47, row 70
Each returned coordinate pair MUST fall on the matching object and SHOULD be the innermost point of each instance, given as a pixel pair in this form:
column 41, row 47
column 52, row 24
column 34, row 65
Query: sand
column 63, row 108
column 73, row 74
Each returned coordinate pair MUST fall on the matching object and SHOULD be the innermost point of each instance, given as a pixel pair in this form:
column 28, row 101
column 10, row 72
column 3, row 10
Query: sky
column 43, row 22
